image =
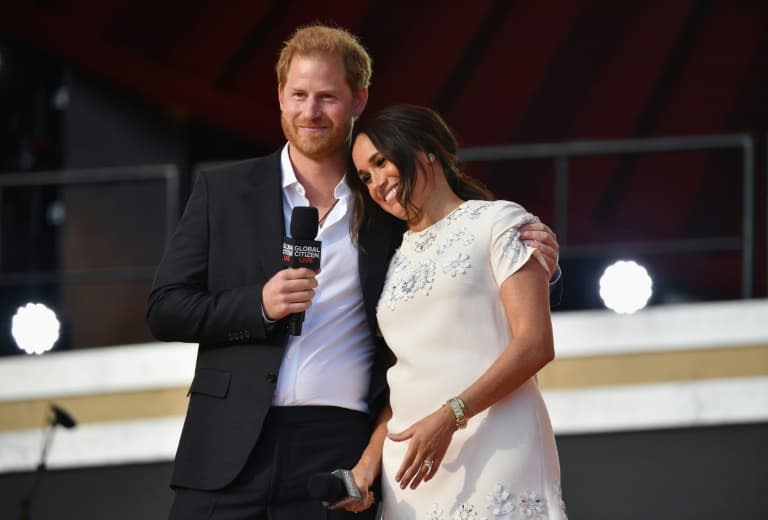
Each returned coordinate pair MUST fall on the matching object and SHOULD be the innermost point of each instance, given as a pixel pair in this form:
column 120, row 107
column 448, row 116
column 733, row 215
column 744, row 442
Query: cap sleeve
column 508, row 252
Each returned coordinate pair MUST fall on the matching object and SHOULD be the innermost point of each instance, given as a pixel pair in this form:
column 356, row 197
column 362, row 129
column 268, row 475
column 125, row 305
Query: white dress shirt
column 330, row 363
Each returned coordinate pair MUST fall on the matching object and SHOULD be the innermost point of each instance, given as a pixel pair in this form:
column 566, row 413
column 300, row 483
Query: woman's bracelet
column 458, row 408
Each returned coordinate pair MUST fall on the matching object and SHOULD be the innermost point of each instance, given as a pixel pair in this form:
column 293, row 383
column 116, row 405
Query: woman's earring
column 430, row 158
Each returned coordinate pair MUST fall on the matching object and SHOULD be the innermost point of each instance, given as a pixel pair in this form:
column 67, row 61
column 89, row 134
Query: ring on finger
column 427, row 465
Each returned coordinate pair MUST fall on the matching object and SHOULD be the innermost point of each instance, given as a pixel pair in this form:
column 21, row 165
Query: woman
column 466, row 313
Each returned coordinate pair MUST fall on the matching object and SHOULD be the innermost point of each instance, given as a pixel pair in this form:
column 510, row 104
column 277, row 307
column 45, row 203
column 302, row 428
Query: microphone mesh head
column 304, row 223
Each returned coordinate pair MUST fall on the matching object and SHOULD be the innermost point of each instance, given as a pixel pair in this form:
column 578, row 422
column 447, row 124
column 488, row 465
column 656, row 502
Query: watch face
column 458, row 412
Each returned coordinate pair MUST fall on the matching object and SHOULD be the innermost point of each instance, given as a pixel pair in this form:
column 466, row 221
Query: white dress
column 441, row 314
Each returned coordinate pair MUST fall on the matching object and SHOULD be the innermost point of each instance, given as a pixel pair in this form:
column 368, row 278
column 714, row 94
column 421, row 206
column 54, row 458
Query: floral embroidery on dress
column 464, row 512
column 407, row 277
column 459, row 264
column 418, row 280
column 455, row 237
column 501, row 501
column 475, row 210
column 408, row 281
column 502, row 504
column 456, row 214
column 513, row 245
column 399, row 262
column 472, row 209
column 436, row 513
column 532, row 504
column 423, row 241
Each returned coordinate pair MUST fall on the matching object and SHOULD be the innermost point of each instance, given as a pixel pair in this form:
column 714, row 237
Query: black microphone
column 301, row 250
column 62, row 418
column 337, row 488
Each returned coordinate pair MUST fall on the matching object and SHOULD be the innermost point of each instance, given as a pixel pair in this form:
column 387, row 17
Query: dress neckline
column 408, row 232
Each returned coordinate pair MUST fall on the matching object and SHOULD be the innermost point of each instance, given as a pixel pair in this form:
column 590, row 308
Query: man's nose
column 312, row 107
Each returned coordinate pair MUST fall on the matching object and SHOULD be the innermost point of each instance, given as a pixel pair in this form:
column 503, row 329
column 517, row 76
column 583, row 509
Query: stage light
column 35, row 328
column 625, row 287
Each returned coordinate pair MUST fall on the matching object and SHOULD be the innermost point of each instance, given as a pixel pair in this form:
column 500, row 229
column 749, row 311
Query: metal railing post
column 561, row 199
column 560, row 153
column 747, row 225
column 167, row 173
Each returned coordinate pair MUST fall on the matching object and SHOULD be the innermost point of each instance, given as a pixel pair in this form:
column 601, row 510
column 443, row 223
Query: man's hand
column 288, row 292
column 541, row 237
column 364, row 478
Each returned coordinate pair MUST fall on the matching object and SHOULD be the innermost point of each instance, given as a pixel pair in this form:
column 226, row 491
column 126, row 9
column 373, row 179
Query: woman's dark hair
column 399, row 133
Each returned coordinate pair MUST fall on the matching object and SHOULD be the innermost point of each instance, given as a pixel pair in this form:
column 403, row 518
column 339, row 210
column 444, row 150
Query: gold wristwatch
column 457, row 407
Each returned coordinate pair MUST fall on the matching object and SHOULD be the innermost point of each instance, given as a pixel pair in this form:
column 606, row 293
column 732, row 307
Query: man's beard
column 329, row 143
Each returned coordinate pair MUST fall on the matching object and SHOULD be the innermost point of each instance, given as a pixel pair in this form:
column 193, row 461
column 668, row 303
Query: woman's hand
column 429, row 440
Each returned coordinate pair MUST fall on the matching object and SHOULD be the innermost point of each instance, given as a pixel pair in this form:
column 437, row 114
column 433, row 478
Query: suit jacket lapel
column 269, row 224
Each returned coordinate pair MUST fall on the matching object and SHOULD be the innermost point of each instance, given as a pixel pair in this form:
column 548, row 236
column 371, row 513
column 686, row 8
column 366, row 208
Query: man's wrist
column 267, row 322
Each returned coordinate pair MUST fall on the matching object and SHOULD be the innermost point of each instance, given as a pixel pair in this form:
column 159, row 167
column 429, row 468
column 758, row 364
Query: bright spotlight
column 625, row 287
column 35, row 328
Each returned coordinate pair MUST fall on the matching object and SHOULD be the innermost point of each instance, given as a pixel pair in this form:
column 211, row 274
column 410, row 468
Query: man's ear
column 280, row 95
column 359, row 101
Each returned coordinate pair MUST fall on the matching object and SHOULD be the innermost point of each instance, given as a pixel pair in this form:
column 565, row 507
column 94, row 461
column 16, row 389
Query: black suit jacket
column 207, row 290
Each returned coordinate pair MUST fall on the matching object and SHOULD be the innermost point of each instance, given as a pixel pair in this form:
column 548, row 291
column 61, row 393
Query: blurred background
column 637, row 130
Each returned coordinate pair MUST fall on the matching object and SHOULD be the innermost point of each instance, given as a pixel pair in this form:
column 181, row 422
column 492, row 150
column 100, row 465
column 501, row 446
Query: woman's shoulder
column 509, row 213
column 496, row 207
column 507, row 205
column 491, row 214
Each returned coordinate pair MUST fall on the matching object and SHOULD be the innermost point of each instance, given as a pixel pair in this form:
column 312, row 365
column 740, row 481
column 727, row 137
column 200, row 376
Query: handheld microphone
column 301, row 250
column 337, row 488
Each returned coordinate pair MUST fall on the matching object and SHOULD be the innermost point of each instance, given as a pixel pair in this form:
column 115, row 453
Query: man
column 266, row 410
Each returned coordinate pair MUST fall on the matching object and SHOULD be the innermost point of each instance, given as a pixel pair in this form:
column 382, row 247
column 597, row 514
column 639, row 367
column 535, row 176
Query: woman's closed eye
column 365, row 177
